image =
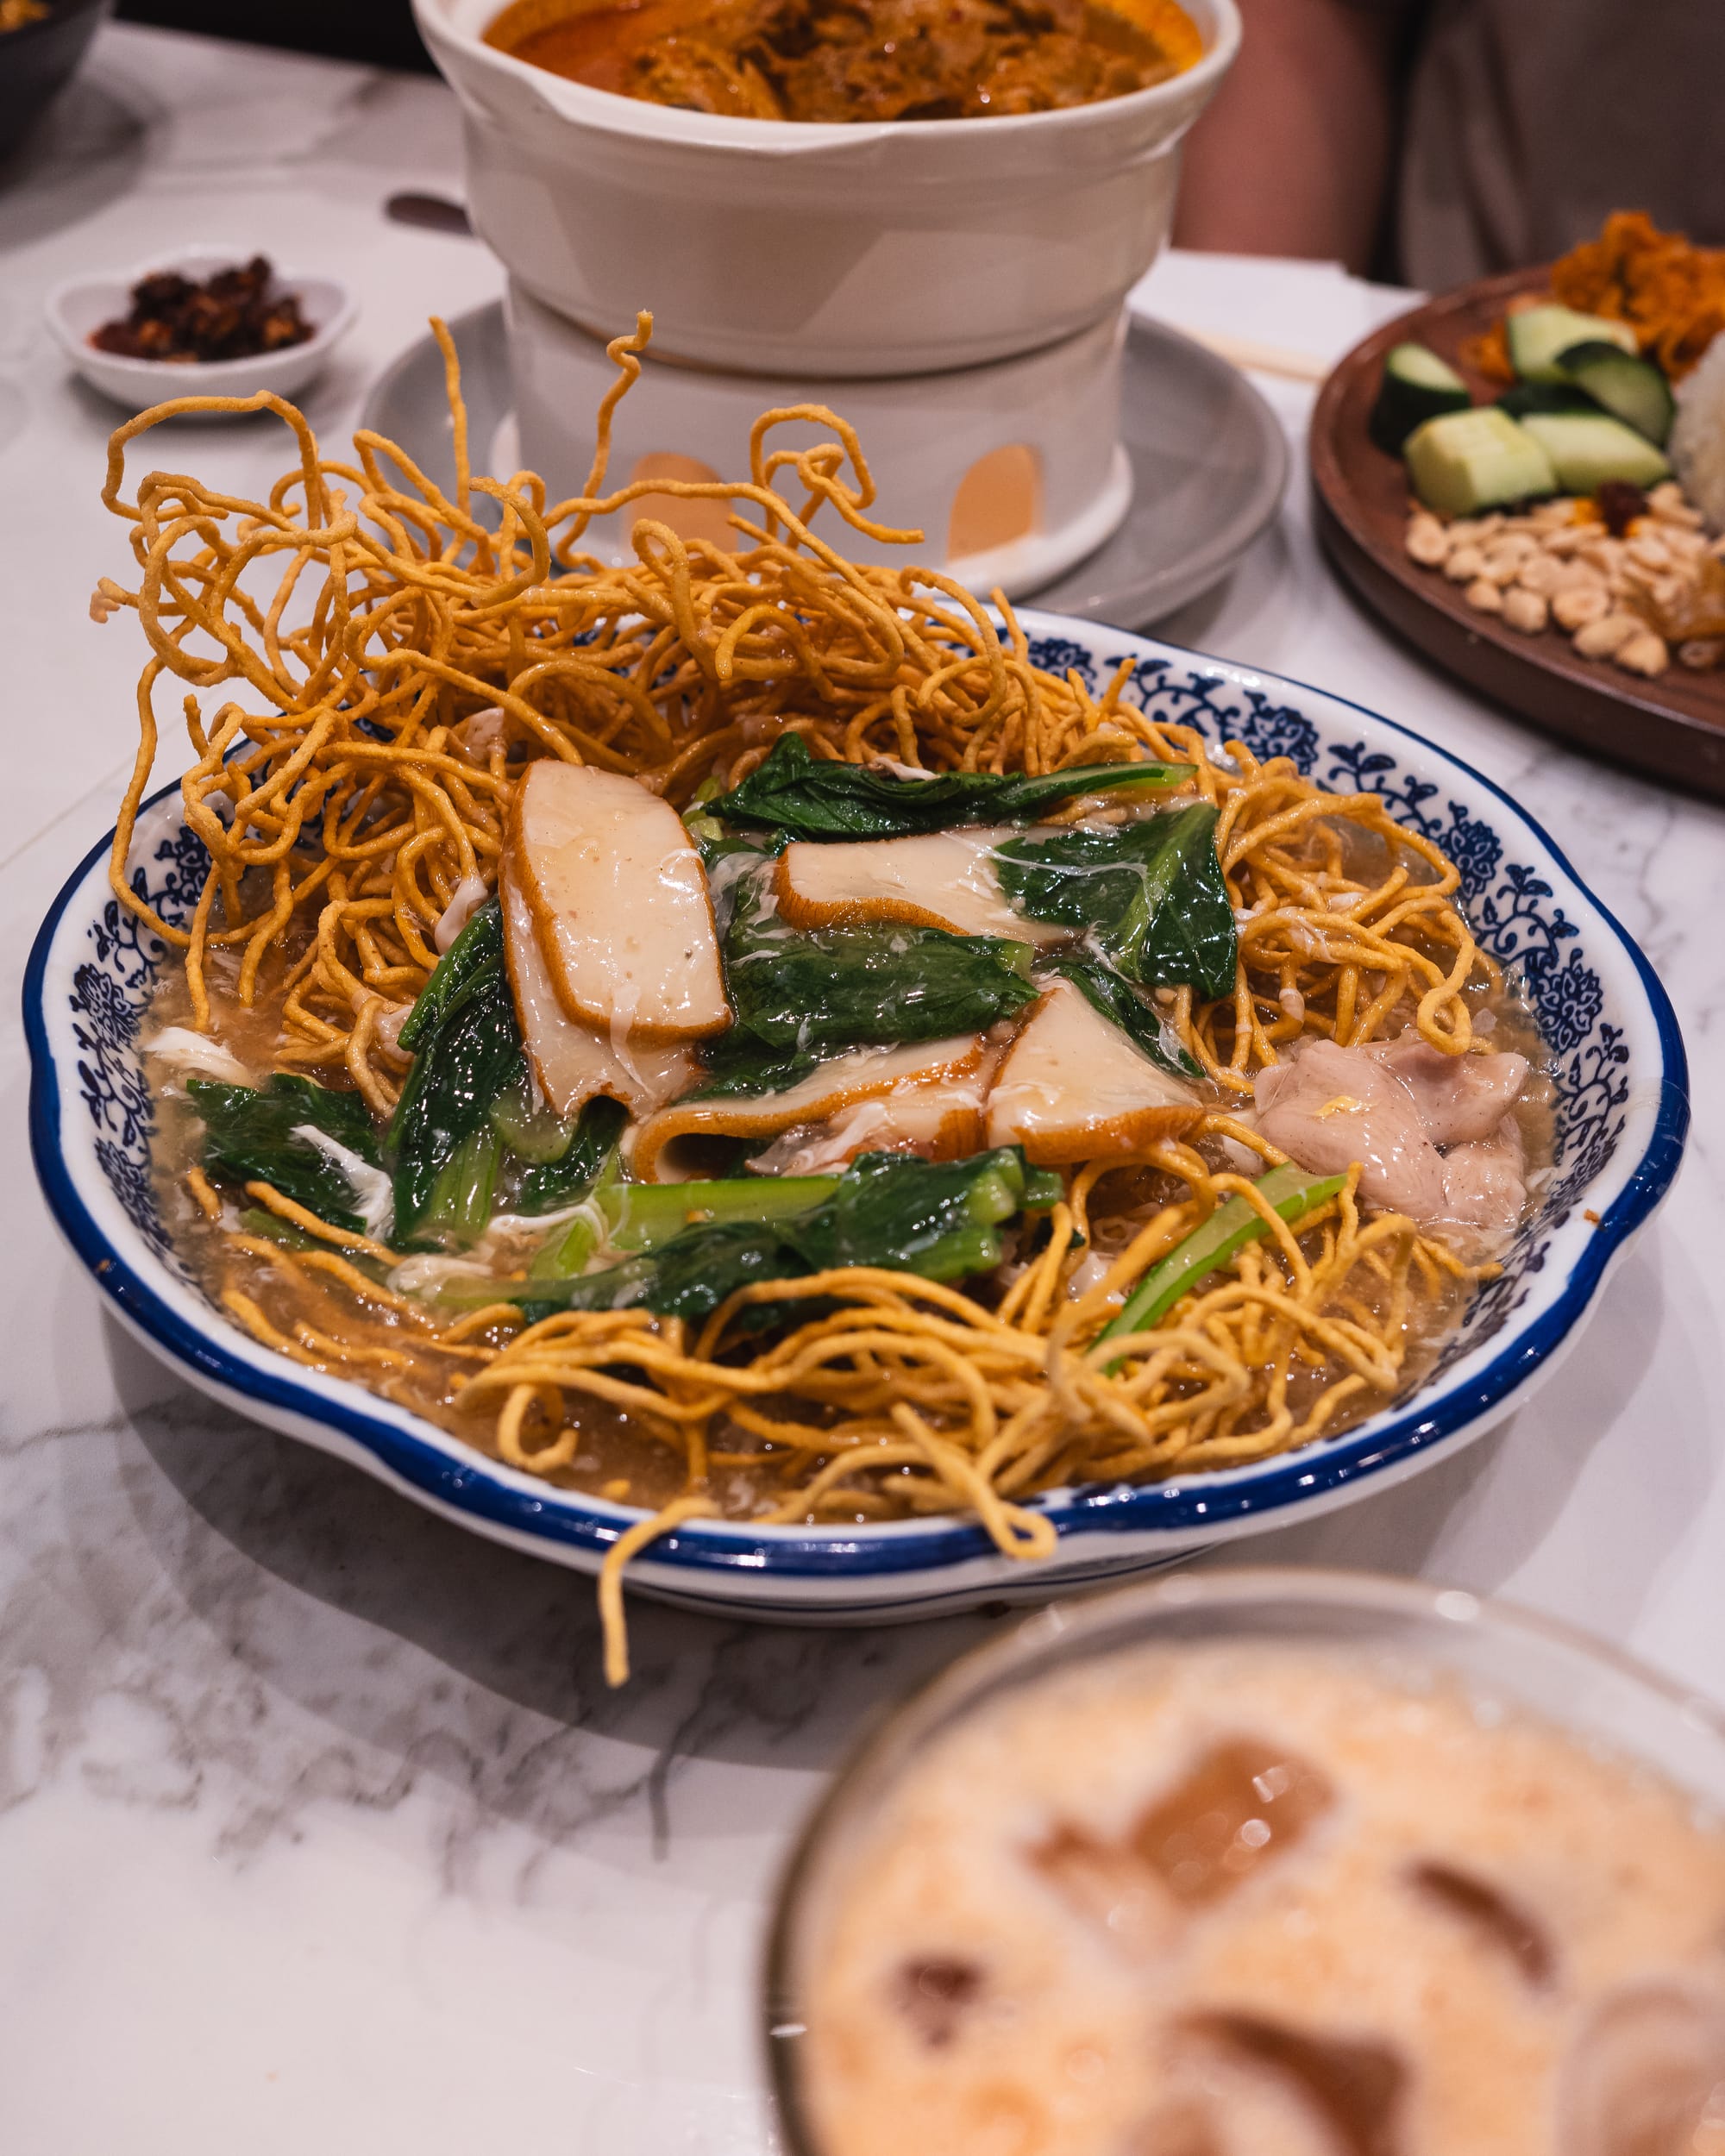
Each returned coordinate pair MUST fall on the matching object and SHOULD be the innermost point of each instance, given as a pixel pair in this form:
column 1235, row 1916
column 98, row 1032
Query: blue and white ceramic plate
column 1624, row 1114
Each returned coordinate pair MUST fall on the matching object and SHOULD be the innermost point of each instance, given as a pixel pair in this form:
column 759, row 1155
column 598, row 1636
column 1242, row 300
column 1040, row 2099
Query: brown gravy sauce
column 620, row 1457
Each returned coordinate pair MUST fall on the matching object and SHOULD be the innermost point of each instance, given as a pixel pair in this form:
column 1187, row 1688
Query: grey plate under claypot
column 1209, row 461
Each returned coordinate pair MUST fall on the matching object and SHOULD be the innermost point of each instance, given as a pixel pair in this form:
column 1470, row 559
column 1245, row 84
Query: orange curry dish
column 858, row 60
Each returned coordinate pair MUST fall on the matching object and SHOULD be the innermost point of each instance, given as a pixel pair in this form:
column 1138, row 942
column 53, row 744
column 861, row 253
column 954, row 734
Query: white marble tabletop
column 317, row 1828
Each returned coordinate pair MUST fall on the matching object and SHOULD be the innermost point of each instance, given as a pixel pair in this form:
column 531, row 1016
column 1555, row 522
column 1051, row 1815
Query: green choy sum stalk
column 1289, row 1191
column 941, row 1219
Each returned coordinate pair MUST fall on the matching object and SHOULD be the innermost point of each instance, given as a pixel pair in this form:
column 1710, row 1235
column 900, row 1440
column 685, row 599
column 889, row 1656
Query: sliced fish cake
column 865, row 1074
column 619, row 897
column 943, row 1120
column 1074, row 1088
column 574, row 1062
column 938, row 880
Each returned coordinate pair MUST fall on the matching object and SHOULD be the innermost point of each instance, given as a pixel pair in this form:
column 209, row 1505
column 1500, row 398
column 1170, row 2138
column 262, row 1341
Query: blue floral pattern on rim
column 111, row 991
column 1517, row 914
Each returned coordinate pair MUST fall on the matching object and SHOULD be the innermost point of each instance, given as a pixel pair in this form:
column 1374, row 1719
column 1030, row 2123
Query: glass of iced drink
column 1253, row 1863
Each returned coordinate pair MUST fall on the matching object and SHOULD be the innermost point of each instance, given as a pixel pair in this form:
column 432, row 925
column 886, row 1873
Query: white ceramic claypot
column 1012, row 473
column 899, row 249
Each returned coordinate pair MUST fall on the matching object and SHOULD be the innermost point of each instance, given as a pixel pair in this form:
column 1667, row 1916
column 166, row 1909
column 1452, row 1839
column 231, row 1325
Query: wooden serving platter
column 1672, row 728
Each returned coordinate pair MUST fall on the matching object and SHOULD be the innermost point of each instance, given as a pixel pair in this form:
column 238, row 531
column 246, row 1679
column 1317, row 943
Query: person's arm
column 1293, row 158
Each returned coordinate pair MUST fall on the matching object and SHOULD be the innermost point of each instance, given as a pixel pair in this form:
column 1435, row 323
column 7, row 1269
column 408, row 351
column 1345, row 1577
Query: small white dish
column 82, row 305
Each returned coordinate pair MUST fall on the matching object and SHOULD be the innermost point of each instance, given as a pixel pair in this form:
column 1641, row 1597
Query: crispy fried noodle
column 369, row 665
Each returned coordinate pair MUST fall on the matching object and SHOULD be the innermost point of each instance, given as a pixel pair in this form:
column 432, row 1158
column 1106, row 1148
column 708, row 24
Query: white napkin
column 1313, row 309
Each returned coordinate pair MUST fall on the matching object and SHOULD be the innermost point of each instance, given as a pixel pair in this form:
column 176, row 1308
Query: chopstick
column 1265, row 359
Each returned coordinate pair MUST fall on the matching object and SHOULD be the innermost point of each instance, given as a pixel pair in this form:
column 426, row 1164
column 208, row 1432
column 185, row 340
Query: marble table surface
column 317, row 1828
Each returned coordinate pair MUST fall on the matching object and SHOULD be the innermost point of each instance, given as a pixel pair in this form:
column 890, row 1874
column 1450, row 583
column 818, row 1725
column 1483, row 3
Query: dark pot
column 37, row 62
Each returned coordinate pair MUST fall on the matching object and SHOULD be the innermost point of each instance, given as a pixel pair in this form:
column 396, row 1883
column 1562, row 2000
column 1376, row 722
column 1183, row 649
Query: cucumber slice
column 1588, row 447
column 1417, row 386
column 1632, row 389
column 1539, row 336
column 1526, row 396
column 1468, row 460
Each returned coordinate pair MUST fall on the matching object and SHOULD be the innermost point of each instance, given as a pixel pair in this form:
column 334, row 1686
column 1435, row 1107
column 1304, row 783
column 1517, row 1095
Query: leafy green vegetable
column 688, row 1277
column 625, row 1216
column 1289, row 1191
column 641, row 1216
column 547, row 1184
column 474, row 956
column 796, row 792
column 737, row 1063
column 803, row 995
column 1116, row 999
column 529, row 1127
column 569, row 1248
column 1151, row 894
column 936, row 1217
column 249, row 1137
column 467, row 1050
column 716, row 843
column 460, row 1204
column 940, row 1220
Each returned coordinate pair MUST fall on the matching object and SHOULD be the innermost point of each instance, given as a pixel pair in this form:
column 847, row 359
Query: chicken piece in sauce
column 1391, row 1106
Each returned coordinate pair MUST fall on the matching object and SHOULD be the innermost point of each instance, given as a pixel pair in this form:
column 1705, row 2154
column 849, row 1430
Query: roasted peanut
column 1581, row 604
column 1571, row 539
column 1601, row 637
column 1579, row 576
column 1668, row 505
column 1542, row 574
column 1428, row 542
column 1525, row 611
column 1557, row 565
column 1643, row 652
column 1666, row 593
column 1504, row 557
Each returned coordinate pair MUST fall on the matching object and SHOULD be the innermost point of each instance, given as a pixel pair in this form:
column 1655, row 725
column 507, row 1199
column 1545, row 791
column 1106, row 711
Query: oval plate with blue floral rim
column 1622, row 1116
